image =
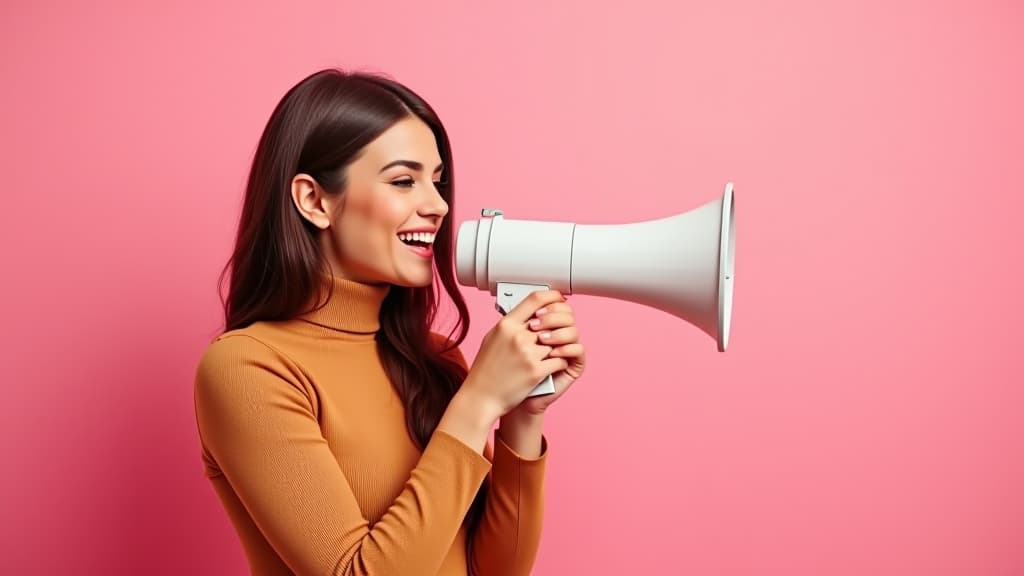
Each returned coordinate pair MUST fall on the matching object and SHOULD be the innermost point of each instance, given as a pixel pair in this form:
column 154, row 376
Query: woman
column 343, row 435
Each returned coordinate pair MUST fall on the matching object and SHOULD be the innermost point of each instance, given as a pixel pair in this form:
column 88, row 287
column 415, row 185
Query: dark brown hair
column 277, row 268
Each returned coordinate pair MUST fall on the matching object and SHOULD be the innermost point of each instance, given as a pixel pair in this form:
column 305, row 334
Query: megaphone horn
column 682, row 264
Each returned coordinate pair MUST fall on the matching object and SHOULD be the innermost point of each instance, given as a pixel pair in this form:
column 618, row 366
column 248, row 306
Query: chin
column 412, row 275
column 407, row 284
column 413, row 281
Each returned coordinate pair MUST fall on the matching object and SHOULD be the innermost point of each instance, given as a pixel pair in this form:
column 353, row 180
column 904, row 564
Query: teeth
column 425, row 237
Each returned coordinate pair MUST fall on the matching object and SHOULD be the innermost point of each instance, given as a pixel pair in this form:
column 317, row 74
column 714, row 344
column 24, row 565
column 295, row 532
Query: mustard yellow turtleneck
column 304, row 440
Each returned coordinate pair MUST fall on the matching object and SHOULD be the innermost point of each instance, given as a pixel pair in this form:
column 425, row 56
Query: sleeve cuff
column 445, row 442
column 507, row 458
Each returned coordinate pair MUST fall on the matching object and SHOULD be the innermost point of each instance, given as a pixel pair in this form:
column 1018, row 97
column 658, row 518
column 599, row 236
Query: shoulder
column 244, row 387
column 233, row 349
column 239, row 361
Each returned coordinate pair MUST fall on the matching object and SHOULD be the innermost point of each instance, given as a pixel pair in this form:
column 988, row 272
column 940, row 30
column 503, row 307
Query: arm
column 508, row 535
column 257, row 419
column 523, row 432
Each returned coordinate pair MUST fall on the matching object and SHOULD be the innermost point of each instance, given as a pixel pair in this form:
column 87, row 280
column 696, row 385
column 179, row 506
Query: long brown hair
column 277, row 268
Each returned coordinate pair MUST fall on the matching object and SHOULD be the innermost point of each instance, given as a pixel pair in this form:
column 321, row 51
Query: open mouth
column 421, row 242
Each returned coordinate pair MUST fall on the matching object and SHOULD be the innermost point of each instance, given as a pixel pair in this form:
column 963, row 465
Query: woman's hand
column 555, row 326
column 514, row 357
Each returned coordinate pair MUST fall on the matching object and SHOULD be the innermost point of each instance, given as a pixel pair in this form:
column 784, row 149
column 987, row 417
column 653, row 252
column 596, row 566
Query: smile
column 419, row 243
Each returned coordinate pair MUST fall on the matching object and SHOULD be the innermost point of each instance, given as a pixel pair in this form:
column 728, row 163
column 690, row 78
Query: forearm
column 470, row 418
column 508, row 537
column 522, row 432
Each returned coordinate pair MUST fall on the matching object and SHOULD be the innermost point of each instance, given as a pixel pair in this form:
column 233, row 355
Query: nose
column 434, row 204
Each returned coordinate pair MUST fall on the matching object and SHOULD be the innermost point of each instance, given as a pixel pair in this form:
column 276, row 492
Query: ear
column 309, row 199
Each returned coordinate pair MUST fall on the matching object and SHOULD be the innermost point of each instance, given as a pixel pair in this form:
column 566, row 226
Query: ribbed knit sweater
column 305, row 442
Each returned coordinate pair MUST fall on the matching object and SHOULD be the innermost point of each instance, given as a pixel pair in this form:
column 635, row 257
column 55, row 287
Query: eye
column 409, row 183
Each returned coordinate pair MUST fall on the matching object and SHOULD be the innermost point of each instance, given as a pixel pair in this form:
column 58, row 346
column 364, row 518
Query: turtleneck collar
column 351, row 306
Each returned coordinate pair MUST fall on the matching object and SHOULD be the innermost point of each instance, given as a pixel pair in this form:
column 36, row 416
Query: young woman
column 341, row 433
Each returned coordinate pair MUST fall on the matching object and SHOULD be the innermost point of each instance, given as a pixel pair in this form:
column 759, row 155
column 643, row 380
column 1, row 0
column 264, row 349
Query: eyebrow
column 411, row 164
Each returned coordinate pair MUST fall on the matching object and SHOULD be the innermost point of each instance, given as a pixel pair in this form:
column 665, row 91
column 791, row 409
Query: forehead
column 409, row 139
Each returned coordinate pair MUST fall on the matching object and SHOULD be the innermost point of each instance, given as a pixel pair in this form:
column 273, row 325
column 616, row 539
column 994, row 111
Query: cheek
column 385, row 214
column 371, row 220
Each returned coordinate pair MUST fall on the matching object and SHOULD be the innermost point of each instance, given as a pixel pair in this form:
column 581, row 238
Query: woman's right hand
column 512, row 361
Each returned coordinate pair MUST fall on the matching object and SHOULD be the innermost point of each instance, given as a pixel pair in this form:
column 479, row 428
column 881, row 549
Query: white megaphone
column 682, row 264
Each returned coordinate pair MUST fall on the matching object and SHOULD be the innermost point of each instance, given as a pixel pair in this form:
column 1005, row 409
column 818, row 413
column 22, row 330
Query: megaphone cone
column 683, row 264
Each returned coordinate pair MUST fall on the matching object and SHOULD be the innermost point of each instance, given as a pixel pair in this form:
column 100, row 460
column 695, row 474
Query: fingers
column 555, row 324
column 559, row 337
column 540, row 352
column 552, row 321
column 551, row 340
column 553, row 365
column 573, row 350
column 535, row 301
column 556, row 307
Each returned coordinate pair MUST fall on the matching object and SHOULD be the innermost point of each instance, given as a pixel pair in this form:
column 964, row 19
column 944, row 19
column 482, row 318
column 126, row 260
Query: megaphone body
column 683, row 264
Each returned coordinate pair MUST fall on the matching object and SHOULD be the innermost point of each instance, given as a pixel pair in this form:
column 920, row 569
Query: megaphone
column 682, row 264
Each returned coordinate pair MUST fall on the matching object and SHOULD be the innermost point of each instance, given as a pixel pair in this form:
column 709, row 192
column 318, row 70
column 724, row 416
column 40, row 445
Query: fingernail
column 542, row 311
column 545, row 335
column 534, row 323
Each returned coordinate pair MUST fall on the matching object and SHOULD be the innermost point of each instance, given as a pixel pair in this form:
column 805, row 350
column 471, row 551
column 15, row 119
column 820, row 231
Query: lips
column 420, row 243
column 418, row 237
column 423, row 251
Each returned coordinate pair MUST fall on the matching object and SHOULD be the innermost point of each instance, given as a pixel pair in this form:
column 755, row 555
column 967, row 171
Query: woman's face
column 380, row 229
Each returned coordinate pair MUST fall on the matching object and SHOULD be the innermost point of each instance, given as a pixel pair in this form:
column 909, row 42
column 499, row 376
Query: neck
column 350, row 307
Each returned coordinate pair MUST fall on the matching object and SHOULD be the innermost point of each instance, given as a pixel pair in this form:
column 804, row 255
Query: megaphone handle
column 509, row 295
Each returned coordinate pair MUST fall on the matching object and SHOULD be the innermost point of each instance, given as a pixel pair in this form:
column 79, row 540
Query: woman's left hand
column 555, row 326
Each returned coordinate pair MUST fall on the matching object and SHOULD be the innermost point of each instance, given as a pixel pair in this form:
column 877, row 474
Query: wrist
column 470, row 418
column 522, row 418
column 481, row 408
column 522, row 431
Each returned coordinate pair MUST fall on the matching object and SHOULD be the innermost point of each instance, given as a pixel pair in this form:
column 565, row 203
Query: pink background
column 866, row 419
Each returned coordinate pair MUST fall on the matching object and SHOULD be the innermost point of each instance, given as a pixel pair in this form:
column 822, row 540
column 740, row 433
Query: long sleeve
column 508, row 535
column 257, row 420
